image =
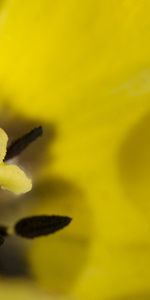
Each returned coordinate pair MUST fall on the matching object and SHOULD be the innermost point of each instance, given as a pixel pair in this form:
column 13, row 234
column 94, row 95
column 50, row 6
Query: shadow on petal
column 134, row 163
column 13, row 259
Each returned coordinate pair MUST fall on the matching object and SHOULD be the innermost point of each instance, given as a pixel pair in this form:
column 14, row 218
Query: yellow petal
column 14, row 179
column 3, row 144
column 100, row 43
column 110, row 247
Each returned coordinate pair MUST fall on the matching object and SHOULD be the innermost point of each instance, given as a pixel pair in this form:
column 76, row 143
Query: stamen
column 22, row 143
column 36, row 226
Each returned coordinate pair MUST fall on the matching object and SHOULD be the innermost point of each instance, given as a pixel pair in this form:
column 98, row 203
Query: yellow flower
column 12, row 177
column 83, row 67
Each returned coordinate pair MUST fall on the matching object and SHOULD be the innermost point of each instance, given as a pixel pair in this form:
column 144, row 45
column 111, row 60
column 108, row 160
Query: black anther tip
column 36, row 226
column 23, row 142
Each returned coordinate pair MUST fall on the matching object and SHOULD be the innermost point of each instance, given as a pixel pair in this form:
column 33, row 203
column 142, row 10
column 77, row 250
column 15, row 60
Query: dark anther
column 32, row 227
column 22, row 143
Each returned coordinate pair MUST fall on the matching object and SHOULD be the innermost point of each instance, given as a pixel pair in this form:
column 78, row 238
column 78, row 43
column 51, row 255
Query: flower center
column 66, row 254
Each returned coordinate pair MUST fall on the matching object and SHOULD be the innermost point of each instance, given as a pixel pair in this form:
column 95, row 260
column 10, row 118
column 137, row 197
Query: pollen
column 12, row 177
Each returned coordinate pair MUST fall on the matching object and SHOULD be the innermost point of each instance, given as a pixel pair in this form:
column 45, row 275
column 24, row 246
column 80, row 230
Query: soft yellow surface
column 85, row 66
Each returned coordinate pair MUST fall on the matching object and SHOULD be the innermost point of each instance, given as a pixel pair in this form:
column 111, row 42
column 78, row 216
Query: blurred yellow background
column 82, row 68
